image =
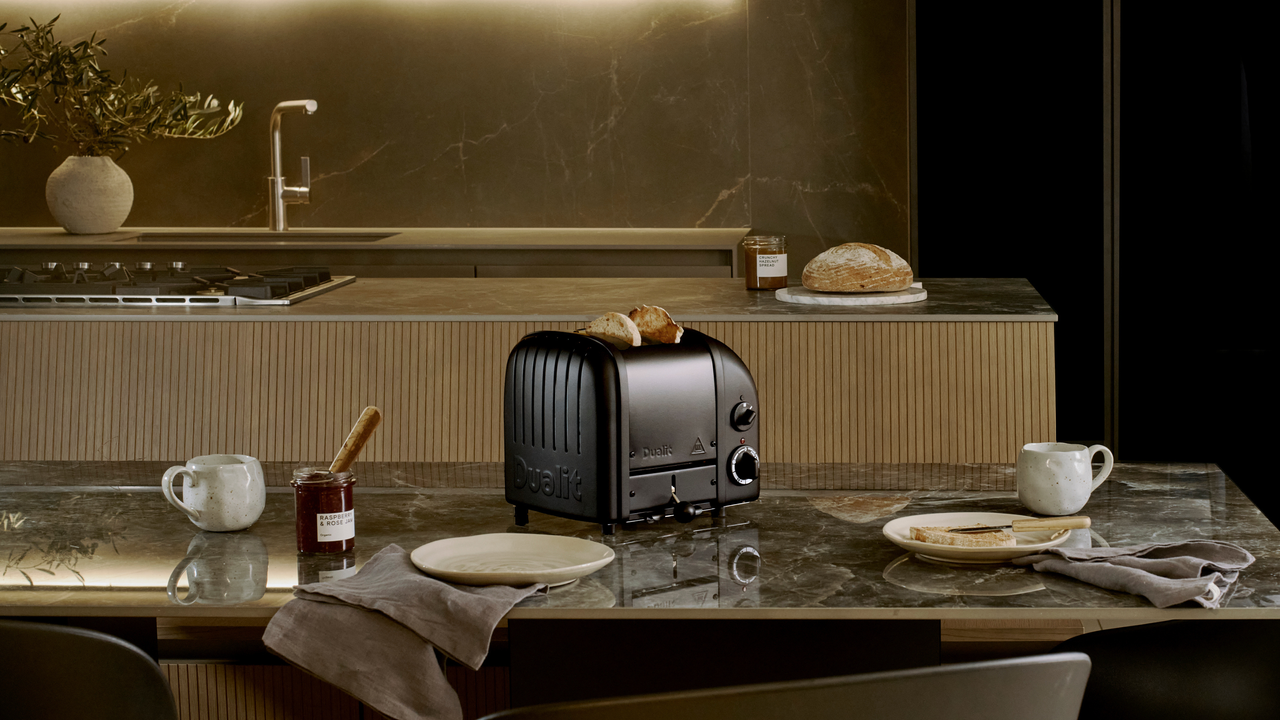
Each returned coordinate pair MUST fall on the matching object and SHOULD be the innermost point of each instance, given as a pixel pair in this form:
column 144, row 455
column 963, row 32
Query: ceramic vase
column 89, row 195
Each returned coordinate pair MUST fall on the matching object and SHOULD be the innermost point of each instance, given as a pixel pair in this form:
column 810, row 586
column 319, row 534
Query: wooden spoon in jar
column 360, row 434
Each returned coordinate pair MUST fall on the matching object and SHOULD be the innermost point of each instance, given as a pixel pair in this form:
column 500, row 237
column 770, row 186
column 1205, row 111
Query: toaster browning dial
column 744, row 465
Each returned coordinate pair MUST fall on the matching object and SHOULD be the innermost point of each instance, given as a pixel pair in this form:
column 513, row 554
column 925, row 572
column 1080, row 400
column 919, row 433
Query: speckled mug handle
column 1107, row 463
column 172, row 587
column 166, row 486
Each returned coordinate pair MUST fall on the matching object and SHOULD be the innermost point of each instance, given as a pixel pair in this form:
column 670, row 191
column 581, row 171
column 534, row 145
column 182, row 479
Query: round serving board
column 805, row 296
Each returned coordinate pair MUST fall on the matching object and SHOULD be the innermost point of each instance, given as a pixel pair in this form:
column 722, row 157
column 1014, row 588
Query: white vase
column 89, row 195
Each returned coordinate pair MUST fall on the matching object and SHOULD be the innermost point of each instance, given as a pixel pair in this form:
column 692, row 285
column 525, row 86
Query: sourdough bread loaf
column 943, row 536
column 857, row 267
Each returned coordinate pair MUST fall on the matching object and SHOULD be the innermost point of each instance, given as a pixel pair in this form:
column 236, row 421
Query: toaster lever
column 684, row 511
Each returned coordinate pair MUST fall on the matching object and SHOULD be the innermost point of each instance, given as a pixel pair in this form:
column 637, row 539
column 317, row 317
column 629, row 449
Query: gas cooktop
column 173, row 283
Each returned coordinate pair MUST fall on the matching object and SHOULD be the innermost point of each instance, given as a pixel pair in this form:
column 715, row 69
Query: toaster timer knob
column 744, row 465
column 742, row 416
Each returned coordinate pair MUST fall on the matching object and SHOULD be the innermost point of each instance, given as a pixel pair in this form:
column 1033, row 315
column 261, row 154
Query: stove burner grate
column 57, row 283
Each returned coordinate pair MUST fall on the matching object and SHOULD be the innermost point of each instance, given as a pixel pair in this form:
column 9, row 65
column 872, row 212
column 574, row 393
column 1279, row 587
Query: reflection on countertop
column 811, row 546
column 926, row 575
column 221, row 568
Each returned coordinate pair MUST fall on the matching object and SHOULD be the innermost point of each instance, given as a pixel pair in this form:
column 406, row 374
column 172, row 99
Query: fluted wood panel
column 894, row 392
column 216, row 691
column 221, row 691
column 919, row 392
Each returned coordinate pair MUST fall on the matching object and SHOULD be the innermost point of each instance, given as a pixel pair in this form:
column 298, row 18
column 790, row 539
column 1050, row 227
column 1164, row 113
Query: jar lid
column 764, row 240
column 320, row 477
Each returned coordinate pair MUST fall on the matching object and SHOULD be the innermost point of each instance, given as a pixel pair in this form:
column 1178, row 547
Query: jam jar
column 324, row 509
column 766, row 257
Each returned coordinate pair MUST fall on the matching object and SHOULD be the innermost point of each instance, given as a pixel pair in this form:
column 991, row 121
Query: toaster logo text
column 663, row 451
column 562, row 481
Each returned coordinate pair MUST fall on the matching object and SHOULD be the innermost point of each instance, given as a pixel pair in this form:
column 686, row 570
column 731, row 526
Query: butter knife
column 1030, row 524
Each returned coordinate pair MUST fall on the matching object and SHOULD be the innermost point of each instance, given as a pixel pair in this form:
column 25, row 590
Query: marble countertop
column 99, row 539
column 381, row 238
column 583, row 299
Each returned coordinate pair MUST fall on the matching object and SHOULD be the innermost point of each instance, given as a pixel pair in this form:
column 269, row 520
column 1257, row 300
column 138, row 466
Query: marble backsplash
column 787, row 116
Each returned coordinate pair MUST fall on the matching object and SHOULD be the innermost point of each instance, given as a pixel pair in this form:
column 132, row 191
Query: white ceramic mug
column 1057, row 478
column 221, row 570
column 219, row 492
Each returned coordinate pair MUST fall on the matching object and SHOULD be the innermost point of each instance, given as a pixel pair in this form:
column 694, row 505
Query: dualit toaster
column 614, row 436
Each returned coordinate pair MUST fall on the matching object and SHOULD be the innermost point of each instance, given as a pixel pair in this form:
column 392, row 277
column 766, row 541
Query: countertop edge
column 1151, row 613
column 956, row 613
column 48, row 317
column 423, row 238
column 568, row 300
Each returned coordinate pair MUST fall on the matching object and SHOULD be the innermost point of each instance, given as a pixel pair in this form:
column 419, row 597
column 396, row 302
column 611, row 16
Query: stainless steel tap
column 280, row 195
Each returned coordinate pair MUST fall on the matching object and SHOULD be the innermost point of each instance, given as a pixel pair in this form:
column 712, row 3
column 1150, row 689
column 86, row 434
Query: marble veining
column 860, row 508
column 787, row 115
column 85, row 548
column 449, row 114
column 827, row 168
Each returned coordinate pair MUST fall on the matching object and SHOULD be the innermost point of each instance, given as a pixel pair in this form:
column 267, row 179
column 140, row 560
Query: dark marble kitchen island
column 803, row 575
column 99, row 539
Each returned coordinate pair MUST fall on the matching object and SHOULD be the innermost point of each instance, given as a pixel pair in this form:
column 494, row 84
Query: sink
column 255, row 238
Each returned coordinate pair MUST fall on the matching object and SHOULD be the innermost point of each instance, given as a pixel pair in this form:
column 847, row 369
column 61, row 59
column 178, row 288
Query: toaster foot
column 608, row 528
column 522, row 516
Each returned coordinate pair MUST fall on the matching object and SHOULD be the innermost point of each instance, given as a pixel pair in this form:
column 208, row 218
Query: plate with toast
column 932, row 536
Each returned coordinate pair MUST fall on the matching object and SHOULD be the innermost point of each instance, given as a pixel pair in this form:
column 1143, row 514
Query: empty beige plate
column 511, row 559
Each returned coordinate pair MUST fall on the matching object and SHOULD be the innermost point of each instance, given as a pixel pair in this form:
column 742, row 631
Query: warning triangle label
column 697, row 448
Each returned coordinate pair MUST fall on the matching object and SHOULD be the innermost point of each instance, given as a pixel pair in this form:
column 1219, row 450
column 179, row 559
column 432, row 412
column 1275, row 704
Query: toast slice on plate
column 944, row 536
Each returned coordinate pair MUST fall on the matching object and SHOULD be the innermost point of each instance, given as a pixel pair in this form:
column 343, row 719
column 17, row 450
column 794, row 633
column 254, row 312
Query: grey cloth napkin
column 1201, row 571
column 374, row 634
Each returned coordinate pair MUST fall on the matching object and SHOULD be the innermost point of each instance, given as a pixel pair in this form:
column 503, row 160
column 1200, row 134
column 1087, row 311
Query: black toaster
column 596, row 433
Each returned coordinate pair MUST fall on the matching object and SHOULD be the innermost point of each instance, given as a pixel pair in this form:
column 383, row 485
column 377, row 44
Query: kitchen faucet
column 278, row 194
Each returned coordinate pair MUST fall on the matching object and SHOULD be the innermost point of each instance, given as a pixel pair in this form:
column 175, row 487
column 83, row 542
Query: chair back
column 1045, row 687
column 52, row 672
column 1182, row 670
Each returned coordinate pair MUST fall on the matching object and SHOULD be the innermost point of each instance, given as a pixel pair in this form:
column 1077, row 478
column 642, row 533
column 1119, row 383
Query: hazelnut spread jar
column 766, row 261
column 324, row 508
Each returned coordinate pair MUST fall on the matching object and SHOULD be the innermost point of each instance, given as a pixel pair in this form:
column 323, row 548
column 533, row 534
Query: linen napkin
column 375, row 634
column 1201, row 571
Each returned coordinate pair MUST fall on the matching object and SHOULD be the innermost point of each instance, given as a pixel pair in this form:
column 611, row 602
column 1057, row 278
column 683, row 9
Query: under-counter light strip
column 313, row 3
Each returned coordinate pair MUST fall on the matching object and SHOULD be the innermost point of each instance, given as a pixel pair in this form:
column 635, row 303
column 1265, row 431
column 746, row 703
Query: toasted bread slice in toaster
column 615, row 328
column 943, row 536
column 656, row 325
